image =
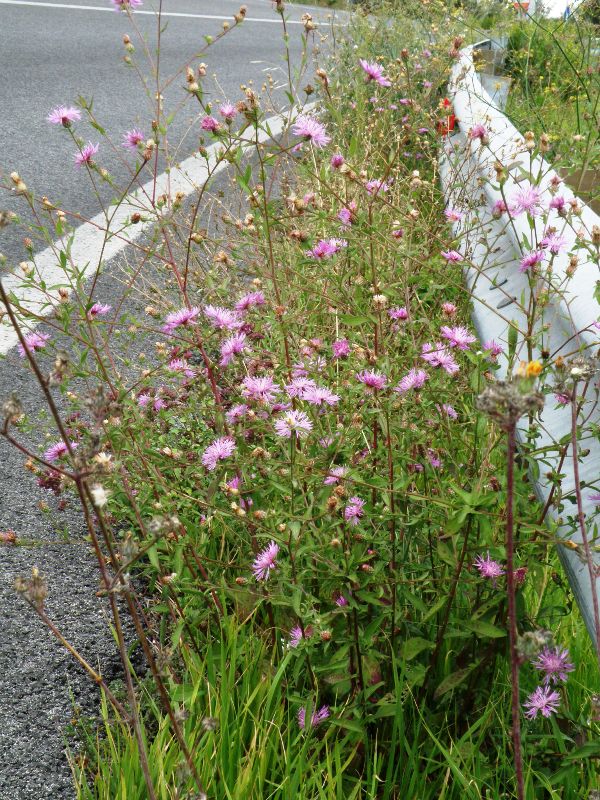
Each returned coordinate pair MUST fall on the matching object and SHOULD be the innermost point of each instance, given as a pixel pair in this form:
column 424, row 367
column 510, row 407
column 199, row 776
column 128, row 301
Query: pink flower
column 488, row 568
column 236, row 413
column 296, row 635
column 458, row 336
column 58, row 450
column 132, row 138
column 298, row 386
column 63, row 115
column 553, row 242
column 334, row 475
column 374, row 72
column 531, row 260
column 234, row 346
column 347, row 215
column 374, row 381
column 414, row 379
column 354, row 510
column 527, row 199
column 341, row 348
column 341, row 601
column 265, row 561
column 326, row 248
column 398, row 233
column 262, row 390
column 210, row 124
column 555, row 663
column 227, row 111
column 123, row 5
column 222, row 318
column 480, row 132
column 448, row 309
column 316, row 718
column 594, row 497
column 98, row 309
column 33, row 341
column 185, row 316
column 219, row 450
column 498, row 209
column 439, row 356
column 448, row 410
column 494, row 348
column 85, row 155
column 293, row 422
column 433, row 458
column 181, row 365
column 337, row 160
column 398, row 313
column 249, row 300
column 312, row 130
column 320, row 396
column 559, row 204
column 543, row 701
column 453, row 214
column 375, row 186
column 452, row 256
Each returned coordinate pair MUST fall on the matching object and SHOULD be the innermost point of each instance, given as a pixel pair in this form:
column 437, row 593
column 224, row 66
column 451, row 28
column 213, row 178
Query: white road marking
column 91, row 238
column 276, row 20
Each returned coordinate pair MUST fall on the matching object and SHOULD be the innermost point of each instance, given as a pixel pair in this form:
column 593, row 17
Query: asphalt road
column 49, row 54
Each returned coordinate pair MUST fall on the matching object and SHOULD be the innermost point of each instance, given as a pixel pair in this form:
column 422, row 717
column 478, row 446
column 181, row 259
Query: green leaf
column 485, row 629
column 412, row 647
column 452, row 681
column 354, row 321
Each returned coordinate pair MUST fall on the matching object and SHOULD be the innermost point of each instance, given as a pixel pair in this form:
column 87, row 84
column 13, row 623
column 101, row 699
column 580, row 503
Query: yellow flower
column 533, row 369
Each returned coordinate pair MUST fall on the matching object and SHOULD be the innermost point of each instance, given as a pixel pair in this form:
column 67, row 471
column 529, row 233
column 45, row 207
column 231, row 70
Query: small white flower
column 99, row 495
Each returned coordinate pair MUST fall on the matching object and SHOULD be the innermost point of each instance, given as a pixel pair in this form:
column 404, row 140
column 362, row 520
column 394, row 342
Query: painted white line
column 91, row 239
column 38, row 3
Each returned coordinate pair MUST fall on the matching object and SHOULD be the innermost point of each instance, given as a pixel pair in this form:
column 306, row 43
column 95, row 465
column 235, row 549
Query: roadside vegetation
column 296, row 465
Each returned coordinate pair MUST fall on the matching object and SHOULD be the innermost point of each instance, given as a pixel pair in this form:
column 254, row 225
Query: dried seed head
column 505, row 403
column 12, row 410
column 34, row 589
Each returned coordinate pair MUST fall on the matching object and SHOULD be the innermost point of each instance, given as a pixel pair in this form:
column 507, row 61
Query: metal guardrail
column 500, row 291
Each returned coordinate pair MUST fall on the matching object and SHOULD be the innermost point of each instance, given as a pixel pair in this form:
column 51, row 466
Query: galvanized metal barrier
column 494, row 244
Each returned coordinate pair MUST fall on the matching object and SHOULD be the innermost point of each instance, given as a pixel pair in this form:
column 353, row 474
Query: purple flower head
column 181, row 365
column 354, row 510
column 219, row 450
column 326, row 248
column 458, row 337
column 374, row 72
column 347, row 214
column 98, row 310
column 132, row 138
column 414, row 379
column 234, row 346
column 398, row 313
column 453, row 214
column 480, row 132
column 374, row 381
column 543, row 701
column 531, row 260
column 312, row 130
column 316, row 718
column 527, row 199
column 553, row 242
column 210, row 124
column 236, row 413
column 433, row 458
column 439, row 356
column 265, row 561
column 249, row 301
column 494, row 348
column 555, row 663
column 341, row 601
column 58, row 450
column 398, row 233
column 124, row 5
column 559, row 204
column 185, row 316
column 335, row 475
column 377, row 185
column 452, row 256
column 294, row 423
column 262, row 390
column 337, row 160
column 498, row 209
column 296, row 635
column 320, row 396
column 299, row 386
column 488, row 568
column 222, row 318
column 85, row 155
column 33, row 341
column 449, row 309
column 340, row 348
column 227, row 111
column 63, row 115
column 448, row 410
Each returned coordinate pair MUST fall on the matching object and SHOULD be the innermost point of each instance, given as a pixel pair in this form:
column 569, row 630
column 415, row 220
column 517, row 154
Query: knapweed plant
column 296, row 465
